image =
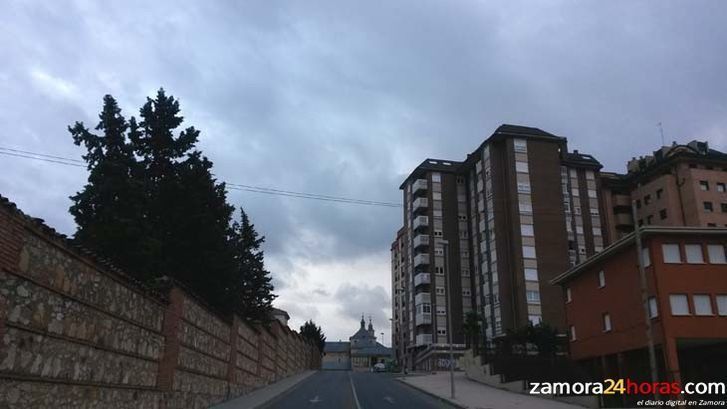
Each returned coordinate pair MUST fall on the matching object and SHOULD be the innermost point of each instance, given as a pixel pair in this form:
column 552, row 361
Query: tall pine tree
column 107, row 209
column 153, row 206
column 252, row 288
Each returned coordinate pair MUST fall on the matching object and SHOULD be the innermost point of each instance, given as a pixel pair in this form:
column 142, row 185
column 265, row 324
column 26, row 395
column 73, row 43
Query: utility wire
column 234, row 186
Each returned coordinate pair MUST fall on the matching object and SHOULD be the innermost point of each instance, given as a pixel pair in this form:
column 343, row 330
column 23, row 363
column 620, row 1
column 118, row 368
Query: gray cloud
column 344, row 98
column 371, row 301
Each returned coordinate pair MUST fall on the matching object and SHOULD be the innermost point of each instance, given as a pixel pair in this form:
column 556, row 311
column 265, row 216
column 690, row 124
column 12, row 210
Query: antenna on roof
column 661, row 131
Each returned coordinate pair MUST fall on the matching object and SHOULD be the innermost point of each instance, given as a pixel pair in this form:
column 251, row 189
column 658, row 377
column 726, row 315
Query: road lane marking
column 389, row 399
column 316, row 400
column 353, row 388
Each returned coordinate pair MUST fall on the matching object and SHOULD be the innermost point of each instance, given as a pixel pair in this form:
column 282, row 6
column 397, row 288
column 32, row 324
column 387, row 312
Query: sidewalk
column 474, row 395
column 264, row 395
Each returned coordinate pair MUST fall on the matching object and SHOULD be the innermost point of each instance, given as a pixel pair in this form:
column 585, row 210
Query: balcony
column 421, row 278
column 419, row 185
column 422, row 298
column 421, row 240
column 420, row 222
column 423, row 339
column 424, row 319
column 420, row 204
column 421, row 260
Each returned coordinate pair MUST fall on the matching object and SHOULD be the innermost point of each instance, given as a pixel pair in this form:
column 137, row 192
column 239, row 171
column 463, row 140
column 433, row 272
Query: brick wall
column 76, row 333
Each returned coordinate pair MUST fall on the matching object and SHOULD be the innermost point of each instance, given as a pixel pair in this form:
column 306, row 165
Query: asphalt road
column 354, row 390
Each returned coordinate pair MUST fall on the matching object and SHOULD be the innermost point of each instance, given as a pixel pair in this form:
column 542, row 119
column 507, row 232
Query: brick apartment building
column 686, row 273
column 678, row 185
column 518, row 211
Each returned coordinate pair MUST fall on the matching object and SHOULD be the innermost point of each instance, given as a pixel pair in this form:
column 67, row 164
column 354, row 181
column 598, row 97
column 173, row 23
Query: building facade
column 507, row 233
column 361, row 352
column 686, row 271
column 678, row 185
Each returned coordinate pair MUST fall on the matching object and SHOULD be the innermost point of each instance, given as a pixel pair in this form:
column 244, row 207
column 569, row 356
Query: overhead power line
column 234, row 186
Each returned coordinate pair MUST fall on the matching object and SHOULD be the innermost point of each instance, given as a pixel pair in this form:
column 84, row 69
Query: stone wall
column 77, row 333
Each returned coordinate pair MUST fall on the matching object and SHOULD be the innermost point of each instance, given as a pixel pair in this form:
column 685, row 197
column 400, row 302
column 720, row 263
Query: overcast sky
column 345, row 98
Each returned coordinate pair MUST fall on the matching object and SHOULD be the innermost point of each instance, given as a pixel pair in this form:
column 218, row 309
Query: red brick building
column 686, row 272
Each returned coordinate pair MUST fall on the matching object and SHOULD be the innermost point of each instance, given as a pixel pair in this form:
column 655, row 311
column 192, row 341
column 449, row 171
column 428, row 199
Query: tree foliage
column 313, row 333
column 154, row 208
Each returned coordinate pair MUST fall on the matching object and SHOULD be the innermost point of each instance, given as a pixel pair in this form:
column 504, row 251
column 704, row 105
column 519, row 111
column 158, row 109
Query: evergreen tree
column 107, row 209
column 314, row 334
column 252, row 289
column 154, row 208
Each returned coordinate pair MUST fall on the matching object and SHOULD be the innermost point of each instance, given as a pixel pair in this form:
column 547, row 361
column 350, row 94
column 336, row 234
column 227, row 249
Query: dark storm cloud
column 344, row 98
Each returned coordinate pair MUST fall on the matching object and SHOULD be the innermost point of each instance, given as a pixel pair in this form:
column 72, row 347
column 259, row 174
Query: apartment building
column 686, row 273
column 678, row 185
column 399, row 272
column 519, row 210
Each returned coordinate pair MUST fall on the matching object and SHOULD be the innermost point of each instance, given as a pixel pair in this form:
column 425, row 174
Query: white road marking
column 316, row 400
column 353, row 388
column 389, row 399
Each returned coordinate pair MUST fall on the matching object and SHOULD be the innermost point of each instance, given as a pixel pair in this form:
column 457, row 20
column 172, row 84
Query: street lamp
column 445, row 246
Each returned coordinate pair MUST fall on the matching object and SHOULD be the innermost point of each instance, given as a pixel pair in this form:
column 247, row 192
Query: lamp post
column 445, row 247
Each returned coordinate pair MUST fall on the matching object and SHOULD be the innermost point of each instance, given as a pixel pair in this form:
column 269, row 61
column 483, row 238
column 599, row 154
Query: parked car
column 380, row 367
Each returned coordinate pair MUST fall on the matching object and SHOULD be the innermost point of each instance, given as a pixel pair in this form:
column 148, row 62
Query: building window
column 523, row 187
column 722, row 305
column 441, row 331
column 650, row 219
column 601, row 279
column 535, row 319
column 716, row 254
column 720, row 187
column 679, row 304
column 439, row 290
column 533, row 296
column 439, row 271
column 671, row 253
column 702, row 304
column 520, row 145
column 694, row 253
column 460, row 180
column 466, row 292
column 638, row 203
column 572, row 333
column 724, row 207
column 531, row 274
column 659, row 193
column 606, row 322
column 704, row 185
column 527, row 230
column 521, row 167
column 528, row 252
column 708, row 207
column 568, row 295
column 662, row 214
column 646, row 257
column 525, row 208
column 441, row 310
column 647, row 199
column 653, row 308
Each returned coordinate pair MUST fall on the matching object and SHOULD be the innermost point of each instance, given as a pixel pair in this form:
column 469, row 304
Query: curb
column 284, row 393
column 266, row 402
column 438, row 397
